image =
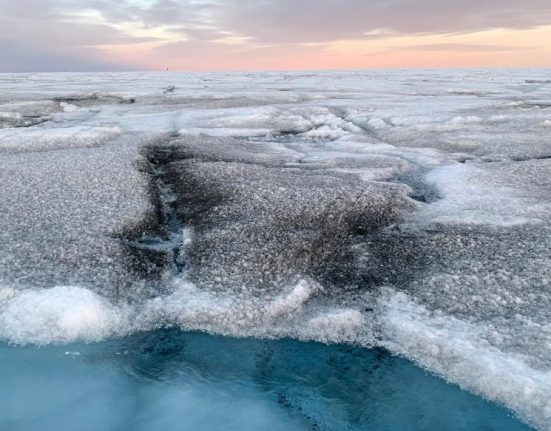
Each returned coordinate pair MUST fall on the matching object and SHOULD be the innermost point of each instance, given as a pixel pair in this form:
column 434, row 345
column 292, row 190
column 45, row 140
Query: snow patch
column 475, row 195
column 61, row 314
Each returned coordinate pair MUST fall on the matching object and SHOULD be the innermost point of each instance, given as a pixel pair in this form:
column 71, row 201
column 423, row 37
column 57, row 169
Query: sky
column 200, row 35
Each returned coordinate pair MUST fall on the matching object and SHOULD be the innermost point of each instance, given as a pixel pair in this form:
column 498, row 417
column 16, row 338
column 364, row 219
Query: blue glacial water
column 169, row 380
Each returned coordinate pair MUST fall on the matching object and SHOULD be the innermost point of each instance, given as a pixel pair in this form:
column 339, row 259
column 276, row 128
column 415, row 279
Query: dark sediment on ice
column 258, row 222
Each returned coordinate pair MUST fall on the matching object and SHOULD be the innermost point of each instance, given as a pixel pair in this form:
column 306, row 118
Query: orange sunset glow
column 271, row 35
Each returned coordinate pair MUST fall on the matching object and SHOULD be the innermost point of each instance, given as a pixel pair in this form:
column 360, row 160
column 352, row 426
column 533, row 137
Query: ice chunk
column 455, row 350
column 58, row 315
column 68, row 107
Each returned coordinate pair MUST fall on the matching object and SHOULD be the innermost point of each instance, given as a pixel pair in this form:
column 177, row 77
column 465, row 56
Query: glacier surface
column 404, row 210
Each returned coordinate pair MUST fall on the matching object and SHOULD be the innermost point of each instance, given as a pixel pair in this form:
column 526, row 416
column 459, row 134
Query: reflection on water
column 168, row 380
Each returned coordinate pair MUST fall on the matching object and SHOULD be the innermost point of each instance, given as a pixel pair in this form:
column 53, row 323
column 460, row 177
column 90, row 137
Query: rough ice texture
column 459, row 351
column 409, row 210
column 259, row 223
column 57, row 315
column 492, row 193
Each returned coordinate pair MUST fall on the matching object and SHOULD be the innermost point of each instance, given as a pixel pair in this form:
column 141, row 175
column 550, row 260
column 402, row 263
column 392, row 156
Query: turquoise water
column 169, row 380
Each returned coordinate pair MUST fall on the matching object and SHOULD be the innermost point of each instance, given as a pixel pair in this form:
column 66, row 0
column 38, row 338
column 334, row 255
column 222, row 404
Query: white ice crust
column 58, row 315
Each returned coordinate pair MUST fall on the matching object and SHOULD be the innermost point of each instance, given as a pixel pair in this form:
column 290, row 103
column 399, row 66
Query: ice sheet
column 304, row 198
